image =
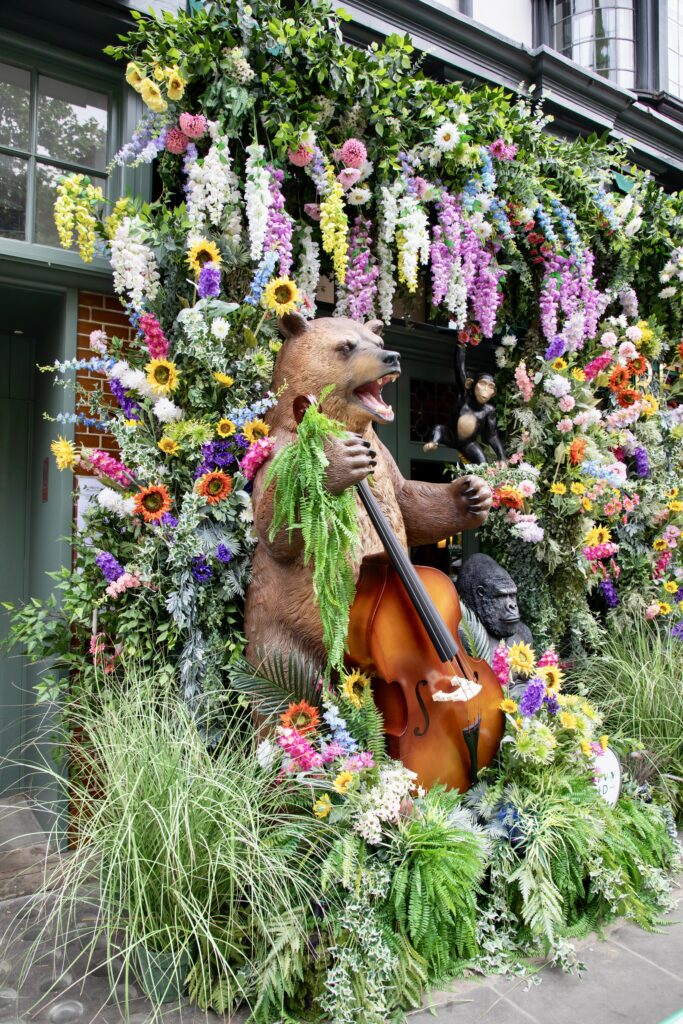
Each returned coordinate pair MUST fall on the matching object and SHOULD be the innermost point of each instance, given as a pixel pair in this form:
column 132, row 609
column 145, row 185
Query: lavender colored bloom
column 129, row 407
column 242, row 441
column 209, row 284
column 552, row 704
column 677, row 630
column 555, row 349
column 168, row 520
column 609, row 592
column 641, row 462
column 532, row 698
column 224, row 554
column 201, row 570
column 215, row 455
column 111, row 569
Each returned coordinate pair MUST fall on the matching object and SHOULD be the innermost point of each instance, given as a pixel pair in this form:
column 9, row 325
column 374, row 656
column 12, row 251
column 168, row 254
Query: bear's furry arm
column 432, row 512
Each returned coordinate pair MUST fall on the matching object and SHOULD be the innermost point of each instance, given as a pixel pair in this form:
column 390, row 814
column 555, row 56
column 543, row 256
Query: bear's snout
column 392, row 360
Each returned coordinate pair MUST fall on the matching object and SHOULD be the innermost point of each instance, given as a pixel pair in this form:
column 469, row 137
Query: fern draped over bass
column 328, row 522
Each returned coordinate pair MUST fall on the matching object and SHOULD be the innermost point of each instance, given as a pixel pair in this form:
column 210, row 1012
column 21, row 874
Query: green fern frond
column 476, row 637
column 277, row 683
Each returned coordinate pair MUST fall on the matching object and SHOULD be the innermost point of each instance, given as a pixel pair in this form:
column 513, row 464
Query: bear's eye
column 347, row 347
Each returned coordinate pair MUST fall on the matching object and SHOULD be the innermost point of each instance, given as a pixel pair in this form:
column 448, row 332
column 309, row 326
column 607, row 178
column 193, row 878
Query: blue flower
column 201, row 570
column 532, row 698
column 224, row 554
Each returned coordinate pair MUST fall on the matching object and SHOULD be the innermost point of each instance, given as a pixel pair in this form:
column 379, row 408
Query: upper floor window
column 598, row 34
column 674, row 32
column 49, row 126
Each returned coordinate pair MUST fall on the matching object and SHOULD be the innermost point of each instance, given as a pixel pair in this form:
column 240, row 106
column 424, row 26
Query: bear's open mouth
column 370, row 396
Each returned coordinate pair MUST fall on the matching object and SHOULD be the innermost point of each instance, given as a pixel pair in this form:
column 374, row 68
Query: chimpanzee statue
column 473, row 416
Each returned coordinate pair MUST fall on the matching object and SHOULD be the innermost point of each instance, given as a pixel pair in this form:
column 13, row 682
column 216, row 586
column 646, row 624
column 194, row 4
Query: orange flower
column 619, row 378
column 577, row 450
column 302, row 716
column 638, row 366
column 626, row 397
column 510, row 497
column 680, row 349
column 214, row 487
column 152, row 503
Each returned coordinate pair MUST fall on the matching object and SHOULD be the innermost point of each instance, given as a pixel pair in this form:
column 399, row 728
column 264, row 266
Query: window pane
column 13, row 196
column 72, row 123
column 15, row 104
column 47, row 179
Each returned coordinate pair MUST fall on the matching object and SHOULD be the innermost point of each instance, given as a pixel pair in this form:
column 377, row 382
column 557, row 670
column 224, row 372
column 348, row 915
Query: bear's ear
column 376, row 326
column 292, row 324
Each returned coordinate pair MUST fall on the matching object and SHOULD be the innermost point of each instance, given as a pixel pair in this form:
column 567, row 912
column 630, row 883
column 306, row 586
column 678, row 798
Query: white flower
column 211, row 186
column 627, row 350
column 134, row 266
column 557, row 386
column 526, row 214
column 308, row 273
column 258, row 198
column 666, row 275
column 220, row 328
column 462, row 118
column 501, row 358
column 624, row 207
column 266, row 752
column 386, row 282
column 118, row 369
column 366, row 170
column 167, row 411
column 136, row 380
column 358, row 196
column 412, row 236
column 446, row 137
column 509, row 340
column 633, row 226
column 667, row 293
column 608, row 340
column 114, row 502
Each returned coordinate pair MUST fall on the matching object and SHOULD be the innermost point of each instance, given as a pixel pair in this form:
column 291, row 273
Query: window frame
column 124, row 110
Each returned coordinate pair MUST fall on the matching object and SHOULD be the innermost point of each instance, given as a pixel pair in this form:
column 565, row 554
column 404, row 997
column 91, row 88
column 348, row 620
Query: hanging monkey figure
column 473, row 416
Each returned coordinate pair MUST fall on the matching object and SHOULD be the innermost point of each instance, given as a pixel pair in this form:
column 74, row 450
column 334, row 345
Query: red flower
column 626, row 397
column 619, row 378
column 638, row 366
column 577, row 450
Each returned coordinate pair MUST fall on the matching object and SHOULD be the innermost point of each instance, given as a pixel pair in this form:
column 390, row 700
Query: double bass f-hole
column 423, row 731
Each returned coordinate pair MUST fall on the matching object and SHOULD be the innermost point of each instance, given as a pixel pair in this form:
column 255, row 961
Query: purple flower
column 641, row 462
column 609, row 592
column 224, row 554
column 127, row 404
column 168, row 520
column 677, row 630
column 552, row 704
column 111, row 569
column 555, row 349
column 201, row 570
column 242, row 441
column 532, row 698
column 209, row 284
column 215, row 455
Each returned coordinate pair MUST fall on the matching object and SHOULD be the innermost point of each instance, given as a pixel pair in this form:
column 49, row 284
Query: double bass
column 440, row 705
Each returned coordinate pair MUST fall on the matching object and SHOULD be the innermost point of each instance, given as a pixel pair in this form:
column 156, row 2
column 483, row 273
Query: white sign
column 88, row 486
column 607, row 779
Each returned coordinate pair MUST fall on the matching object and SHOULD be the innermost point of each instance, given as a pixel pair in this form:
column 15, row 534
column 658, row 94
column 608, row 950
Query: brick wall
column 98, row 313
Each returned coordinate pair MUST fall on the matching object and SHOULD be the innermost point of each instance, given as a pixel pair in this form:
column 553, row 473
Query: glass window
column 48, row 127
column 675, row 46
column 598, row 34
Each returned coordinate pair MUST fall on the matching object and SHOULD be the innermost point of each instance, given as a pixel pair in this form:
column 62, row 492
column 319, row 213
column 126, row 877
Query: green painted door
column 17, row 361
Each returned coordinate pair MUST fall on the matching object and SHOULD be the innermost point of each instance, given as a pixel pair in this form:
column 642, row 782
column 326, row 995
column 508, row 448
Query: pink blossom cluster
column 662, row 564
column 359, row 762
column 363, row 271
column 600, row 552
column 525, row 526
column 127, row 581
column 524, row 382
column 481, row 275
column 255, row 455
column 301, row 156
column 155, row 339
column 304, row 757
column 549, row 657
column 569, row 287
column 353, row 153
column 190, row 126
column 278, row 238
column 502, row 151
column 501, row 663
column 347, row 177
column 98, row 342
column 107, row 465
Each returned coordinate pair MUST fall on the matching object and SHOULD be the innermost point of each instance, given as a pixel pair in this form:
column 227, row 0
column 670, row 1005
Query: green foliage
column 276, row 684
column 328, row 522
column 367, row 726
column 476, row 637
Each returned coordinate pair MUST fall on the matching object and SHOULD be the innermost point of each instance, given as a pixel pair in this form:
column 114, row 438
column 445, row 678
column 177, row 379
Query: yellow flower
column 281, row 295
column 567, row 720
column 522, row 659
column 676, row 506
column 225, row 428
column 577, row 488
column 203, row 252
column 660, row 544
column 586, row 748
column 578, row 374
column 64, row 453
column 132, row 423
column 589, row 711
column 343, row 781
column 322, row 806
column 646, row 333
column 255, row 430
column 162, row 375
column 670, row 587
column 598, row 535
column 551, row 676
column 334, row 226
column 224, row 379
column 158, row 73
column 586, row 504
column 649, row 404
column 559, row 364
column 151, row 95
column 603, row 741
column 558, row 488
column 664, row 608
column 673, row 493
column 354, row 686
column 508, row 706
column 168, row 446
column 176, row 84
column 134, row 75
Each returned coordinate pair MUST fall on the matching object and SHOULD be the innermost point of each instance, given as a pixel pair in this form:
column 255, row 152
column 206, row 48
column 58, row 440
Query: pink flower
column 548, row 657
column 501, row 663
column 567, row 403
column 564, row 426
column 502, row 151
column 627, row 350
column 107, row 465
column 359, row 762
column 155, row 339
column 651, row 611
column 176, row 141
column 331, row 751
column 193, row 125
column 98, row 342
column 256, row 455
column 526, row 488
column 524, row 382
column 420, row 186
column 301, row 156
column 348, row 177
column 608, row 340
column 353, row 153
column 312, row 210
column 128, row 581
column 597, row 365
column 634, row 333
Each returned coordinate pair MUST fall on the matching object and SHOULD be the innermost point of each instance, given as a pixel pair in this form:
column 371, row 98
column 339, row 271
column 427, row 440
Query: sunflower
column 64, row 453
column 302, row 716
column 255, row 430
column 664, row 608
column 670, row 587
column 551, row 676
column 281, row 295
column 660, row 544
column 586, row 504
column 598, row 535
column 558, row 488
column 214, row 486
column 559, row 364
column 638, row 366
column 152, row 503
column 343, row 781
column 225, row 379
column 626, row 397
column 168, row 446
column 578, row 488
column 162, row 375
column 619, row 378
column 322, row 806
column 225, row 428
column 176, row 84
column 578, row 374
column 568, row 720
column 650, row 404
column 203, row 252
column 522, row 659
column 508, row 706
column 676, row 506
column 354, row 686
column 673, row 493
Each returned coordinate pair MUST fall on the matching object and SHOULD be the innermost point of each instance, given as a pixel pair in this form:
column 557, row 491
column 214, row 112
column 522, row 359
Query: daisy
column 446, row 137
